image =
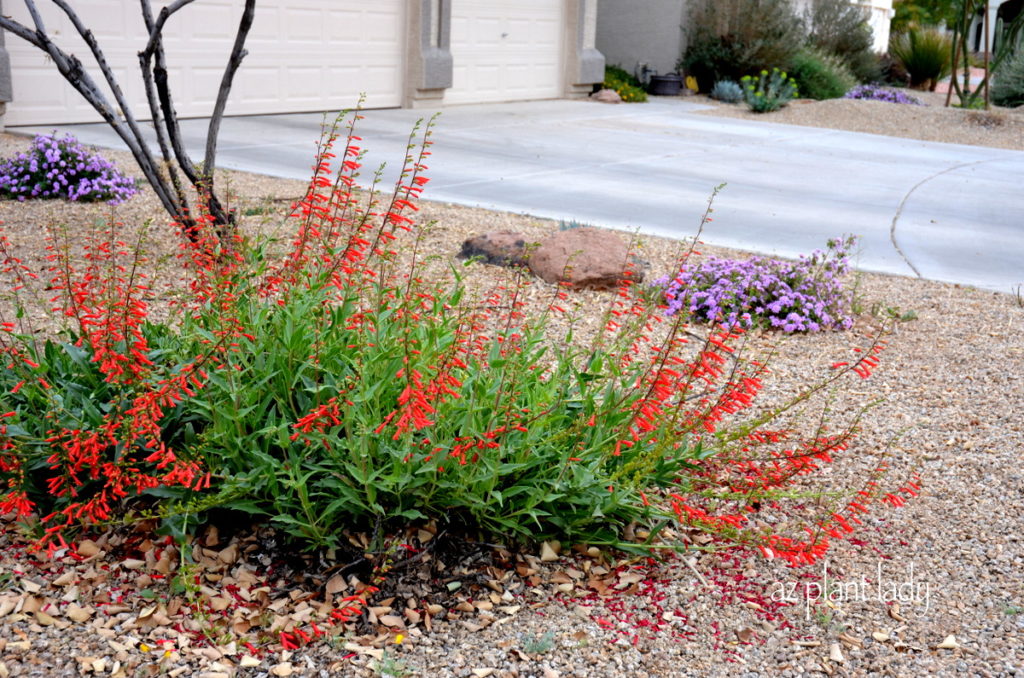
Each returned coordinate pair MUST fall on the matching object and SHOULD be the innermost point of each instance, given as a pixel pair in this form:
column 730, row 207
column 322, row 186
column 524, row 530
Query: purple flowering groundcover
column 802, row 296
column 62, row 168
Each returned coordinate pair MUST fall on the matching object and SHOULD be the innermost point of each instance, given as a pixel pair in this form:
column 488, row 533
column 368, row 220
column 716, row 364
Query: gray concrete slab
column 939, row 211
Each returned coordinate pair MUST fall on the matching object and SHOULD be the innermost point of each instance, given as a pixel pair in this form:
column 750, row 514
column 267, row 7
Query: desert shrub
column 627, row 85
column 820, row 75
column 891, row 72
column 879, row 93
column 840, row 28
column 338, row 386
column 727, row 91
column 909, row 14
column 731, row 38
column 803, row 296
column 62, row 168
column 1008, row 82
column 768, row 92
column 925, row 54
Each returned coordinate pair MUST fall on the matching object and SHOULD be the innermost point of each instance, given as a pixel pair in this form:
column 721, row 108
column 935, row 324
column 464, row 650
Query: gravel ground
column 933, row 588
column 999, row 128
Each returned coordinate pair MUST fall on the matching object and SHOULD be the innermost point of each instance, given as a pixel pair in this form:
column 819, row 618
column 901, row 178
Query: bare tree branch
column 154, row 108
column 234, row 61
column 158, row 95
column 146, row 160
column 170, row 117
column 165, row 14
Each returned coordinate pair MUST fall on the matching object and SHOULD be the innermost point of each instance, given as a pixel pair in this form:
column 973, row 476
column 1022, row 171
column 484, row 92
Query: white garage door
column 506, row 50
column 304, row 55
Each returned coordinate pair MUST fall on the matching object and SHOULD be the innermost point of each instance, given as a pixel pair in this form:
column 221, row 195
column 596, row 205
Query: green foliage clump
column 925, row 54
column 840, row 28
column 727, row 92
column 1008, row 82
column 909, row 14
column 623, row 82
column 732, row 38
column 820, row 75
column 768, row 91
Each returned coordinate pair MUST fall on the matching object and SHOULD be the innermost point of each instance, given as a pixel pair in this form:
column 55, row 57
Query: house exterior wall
column 635, row 32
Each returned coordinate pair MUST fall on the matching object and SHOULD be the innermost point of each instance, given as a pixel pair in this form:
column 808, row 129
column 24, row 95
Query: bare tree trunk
column 167, row 185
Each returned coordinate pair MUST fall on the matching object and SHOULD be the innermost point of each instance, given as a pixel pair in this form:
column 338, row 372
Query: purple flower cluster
column 879, row 93
column 63, row 168
column 802, row 296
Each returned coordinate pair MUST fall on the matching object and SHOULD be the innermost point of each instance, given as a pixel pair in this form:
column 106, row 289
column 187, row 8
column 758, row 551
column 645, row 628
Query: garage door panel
column 105, row 19
column 304, row 25
column 266, row 26
column 296, row 49
column 209, row 22
column 259, row 85
column 344, row 27
column 506, row 50
column 302, row 83
column 205, row 84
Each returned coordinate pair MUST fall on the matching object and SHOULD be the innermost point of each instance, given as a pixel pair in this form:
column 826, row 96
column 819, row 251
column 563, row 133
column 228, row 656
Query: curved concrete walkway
column 938, row 211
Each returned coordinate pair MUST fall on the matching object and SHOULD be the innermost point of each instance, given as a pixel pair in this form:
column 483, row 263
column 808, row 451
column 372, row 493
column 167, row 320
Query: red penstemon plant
column 346, row 382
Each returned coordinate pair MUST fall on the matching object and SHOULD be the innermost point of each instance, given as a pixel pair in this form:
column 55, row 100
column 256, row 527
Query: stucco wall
column 630, row 32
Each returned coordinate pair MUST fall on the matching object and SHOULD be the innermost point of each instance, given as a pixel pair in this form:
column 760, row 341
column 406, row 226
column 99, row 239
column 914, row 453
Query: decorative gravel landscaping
column 928, row 581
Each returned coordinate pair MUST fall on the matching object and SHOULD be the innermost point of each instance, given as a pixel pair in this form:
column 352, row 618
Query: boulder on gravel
column 606, row 96
column 586, row 257
column 503, row 248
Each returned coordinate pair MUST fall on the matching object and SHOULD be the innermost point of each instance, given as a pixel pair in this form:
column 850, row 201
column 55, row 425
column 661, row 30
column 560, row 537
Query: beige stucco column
column 428, row 62
column 584, row 65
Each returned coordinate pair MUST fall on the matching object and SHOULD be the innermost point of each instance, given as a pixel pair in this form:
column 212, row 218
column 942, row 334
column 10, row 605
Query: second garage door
column 506, row 50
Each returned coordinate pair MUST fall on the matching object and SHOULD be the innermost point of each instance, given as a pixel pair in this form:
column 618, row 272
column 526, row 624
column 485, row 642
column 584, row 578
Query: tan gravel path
column 952, row 380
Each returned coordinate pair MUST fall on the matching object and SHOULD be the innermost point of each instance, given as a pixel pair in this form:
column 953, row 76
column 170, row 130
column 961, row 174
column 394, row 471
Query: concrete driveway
column 939, row 211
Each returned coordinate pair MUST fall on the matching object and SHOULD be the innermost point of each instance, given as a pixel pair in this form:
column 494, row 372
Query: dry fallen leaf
column 948, row 644
column 880, row 636
column 66, row 579
column 851, row 640
column 229, row 555
column 392, row 620
column 87, row 548
column 78, row 614
column 335, row 584
column 549, row 551
column 44, row 619
column 835, row 653
column 283, row 669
